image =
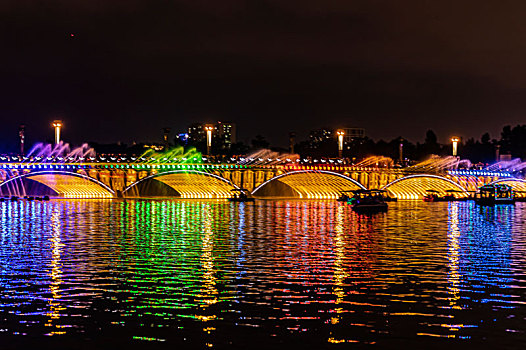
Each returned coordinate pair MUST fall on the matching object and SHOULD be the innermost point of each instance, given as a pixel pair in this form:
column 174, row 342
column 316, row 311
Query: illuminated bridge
column 286, row 179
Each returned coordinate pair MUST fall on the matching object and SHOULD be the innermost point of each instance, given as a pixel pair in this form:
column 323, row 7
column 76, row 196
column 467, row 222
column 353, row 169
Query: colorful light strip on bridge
column 479, row 173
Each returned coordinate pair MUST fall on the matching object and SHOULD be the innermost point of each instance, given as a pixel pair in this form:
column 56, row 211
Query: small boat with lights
column 345, row 196
column 240, row 195
column 454, row 195
column 450, row 196
column 494, row 194
column 431, row 196
column 369, row 201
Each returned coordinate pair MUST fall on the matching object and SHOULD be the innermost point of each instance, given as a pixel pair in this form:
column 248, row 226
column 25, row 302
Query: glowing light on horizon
column 455, row 140
column 208, row 129
column 57, row 124
column 340, row 134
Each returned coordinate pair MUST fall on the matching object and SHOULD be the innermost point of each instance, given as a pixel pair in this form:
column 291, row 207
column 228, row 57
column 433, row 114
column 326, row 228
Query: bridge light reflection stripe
column 416, row 186
column 72, row 186
column 190, row 185
column 65, row 184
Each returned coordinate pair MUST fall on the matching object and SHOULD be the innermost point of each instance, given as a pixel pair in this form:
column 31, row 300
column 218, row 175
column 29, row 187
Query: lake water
column 269, row 274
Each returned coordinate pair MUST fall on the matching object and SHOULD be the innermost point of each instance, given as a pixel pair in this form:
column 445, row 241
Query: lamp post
column 401, row 151
column 208, row 129
column 57, row 124
column 455, row 140
column 340, row 134
column 21, row 134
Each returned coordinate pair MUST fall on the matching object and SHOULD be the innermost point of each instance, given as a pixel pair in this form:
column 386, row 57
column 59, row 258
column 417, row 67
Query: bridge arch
column 63, row 183
column 307, row 184
column 416, row 186
column 187, row 184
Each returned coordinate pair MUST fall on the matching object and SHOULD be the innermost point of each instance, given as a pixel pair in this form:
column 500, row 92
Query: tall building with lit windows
column 352, row 134
column 196, row 132
column 223, row 135
column 226, row 133
column 319, row 136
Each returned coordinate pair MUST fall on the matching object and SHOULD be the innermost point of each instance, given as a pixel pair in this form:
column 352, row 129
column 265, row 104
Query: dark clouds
column 133, row 67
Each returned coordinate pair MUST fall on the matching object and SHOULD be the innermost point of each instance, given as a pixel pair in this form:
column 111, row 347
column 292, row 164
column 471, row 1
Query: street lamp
column 209, row 129
column 21, row 134
column 57, row 124
column 455, row 140
column 401, row 151
column 340, row 134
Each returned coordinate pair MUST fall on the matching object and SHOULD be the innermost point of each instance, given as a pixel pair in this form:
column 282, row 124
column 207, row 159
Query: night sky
column 122, row 70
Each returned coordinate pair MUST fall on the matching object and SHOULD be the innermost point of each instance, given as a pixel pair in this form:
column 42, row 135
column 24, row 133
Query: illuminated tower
column 57, row 124
column 340, row 134
column 455, row 140
column 209, row 129
column 21, row 134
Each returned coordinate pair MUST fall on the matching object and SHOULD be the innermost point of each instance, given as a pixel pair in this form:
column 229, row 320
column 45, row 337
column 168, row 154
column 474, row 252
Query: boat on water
column 386, row 196
column 495, row 194
column 450, row 196
column 431, row 196
column 454, row 195
column 345, row 196
column 369, row 201
column 241, row 195
column 350, row 199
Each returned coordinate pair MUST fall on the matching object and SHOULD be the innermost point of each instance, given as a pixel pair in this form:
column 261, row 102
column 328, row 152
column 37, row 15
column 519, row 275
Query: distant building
column 224, row 134
column 319, row 136
column 352, row 134
column 196, row 133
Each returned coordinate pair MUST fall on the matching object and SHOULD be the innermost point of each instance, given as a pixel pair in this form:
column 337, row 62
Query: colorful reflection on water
column 270, row 273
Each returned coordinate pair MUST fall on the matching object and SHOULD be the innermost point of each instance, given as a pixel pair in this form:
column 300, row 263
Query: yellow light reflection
column 56, row 275
column 208, row 294
column 453, row 255
column 339, row 268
